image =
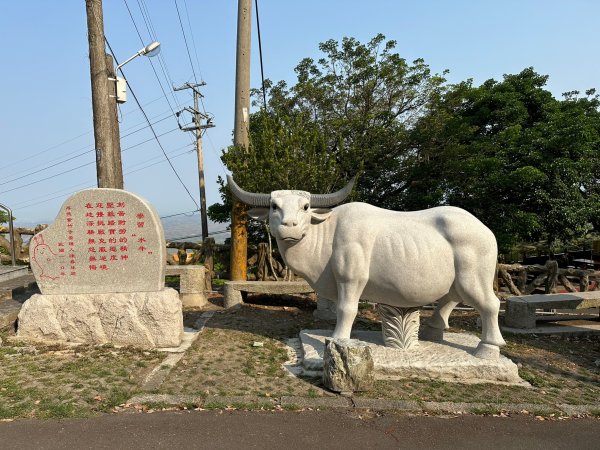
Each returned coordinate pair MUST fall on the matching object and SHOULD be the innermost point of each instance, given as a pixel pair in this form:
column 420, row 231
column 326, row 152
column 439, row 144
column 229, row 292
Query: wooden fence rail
column 525, row 279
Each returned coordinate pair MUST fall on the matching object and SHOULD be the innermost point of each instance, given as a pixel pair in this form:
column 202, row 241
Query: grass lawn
column 60, row 381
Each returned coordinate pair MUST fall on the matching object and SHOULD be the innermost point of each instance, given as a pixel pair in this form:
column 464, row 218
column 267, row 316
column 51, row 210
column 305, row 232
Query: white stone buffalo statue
column 403, row 259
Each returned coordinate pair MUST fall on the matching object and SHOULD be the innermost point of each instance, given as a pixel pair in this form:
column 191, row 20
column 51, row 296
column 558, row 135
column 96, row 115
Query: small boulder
column 347, row 365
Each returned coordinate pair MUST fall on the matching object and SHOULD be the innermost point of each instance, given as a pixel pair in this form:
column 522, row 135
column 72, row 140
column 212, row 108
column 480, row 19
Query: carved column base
column 400, row 326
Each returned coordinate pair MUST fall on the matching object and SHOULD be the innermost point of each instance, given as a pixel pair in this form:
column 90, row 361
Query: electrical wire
column 47, row 167
column 262, row 73
column 151, row 127
column 187, row 213
column 212, row 233
column 86, row 164
column 186, row 43
column 70, row 190
column 46, row 150
column 162, row 63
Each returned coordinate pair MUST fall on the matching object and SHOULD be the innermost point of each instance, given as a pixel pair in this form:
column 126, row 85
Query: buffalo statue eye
column 306, row 207
column 274, row 206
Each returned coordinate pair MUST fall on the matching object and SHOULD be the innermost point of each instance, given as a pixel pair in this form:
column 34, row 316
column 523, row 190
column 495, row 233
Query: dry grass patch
column 60, row 381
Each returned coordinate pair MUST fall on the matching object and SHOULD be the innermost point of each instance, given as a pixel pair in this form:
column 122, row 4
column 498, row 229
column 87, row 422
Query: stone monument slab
column 101, row 270
column 103, row 240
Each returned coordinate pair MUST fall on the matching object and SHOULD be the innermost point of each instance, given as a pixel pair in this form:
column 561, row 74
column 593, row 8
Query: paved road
column 298, row 430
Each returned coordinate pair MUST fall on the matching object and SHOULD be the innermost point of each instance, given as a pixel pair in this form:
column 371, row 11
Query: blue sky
column 45, row 113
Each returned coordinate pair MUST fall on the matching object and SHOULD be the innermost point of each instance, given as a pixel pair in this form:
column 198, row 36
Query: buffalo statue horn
column 327, row 200
column 264, row 200
column 249, row 198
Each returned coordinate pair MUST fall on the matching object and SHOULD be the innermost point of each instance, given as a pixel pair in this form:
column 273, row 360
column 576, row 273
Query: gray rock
column 347, row 365
column 140, row 319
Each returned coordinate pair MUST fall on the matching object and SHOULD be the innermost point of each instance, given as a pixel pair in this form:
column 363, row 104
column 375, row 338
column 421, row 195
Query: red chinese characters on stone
column 71, row 244
column 101, row 222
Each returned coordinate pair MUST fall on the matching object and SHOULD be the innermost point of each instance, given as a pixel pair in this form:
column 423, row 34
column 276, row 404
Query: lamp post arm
column 141, row 52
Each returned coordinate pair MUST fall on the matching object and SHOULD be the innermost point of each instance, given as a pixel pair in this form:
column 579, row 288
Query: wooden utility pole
column 106, row 127
column 198, row 127
column 239, row 231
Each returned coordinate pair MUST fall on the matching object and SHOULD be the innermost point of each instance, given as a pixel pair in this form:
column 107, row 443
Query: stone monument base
column 451, row 360
column 141, row 319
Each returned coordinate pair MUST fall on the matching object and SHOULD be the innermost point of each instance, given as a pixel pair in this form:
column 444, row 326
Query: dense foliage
column 522, row 161
column 525, row 163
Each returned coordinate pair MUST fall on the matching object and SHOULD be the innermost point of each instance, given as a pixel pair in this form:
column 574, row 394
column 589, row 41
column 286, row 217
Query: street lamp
column 149, row 50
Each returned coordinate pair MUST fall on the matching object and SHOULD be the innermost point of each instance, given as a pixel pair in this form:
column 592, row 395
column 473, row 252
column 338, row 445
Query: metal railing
column 12, row 235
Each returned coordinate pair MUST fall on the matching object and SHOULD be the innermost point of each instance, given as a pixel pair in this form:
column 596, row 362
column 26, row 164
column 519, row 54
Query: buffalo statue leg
column 433, row 329
column 351, row 279
column 474, row 286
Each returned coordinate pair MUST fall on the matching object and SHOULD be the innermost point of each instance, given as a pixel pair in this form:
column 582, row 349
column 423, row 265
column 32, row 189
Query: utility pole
column 198, row 127
column 239, row 221
column 106, row 127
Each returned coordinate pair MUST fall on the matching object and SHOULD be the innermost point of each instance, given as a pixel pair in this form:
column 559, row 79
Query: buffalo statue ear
column 319, row 215
column 259, row 213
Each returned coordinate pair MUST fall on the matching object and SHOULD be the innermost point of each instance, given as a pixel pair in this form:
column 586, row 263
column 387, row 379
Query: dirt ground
column 241, row 352
column 560, row 369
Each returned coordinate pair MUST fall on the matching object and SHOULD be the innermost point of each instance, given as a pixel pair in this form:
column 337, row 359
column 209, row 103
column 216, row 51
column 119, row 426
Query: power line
column 262, row 73
column 47, row 167
column 88, row 147
column 46, row 150
column 187, row 13
column 187, row 213
column 186, row 43
column 212, row 233
column 151, row 127
column 70, row 190
column 162, row 63
column 83, row 165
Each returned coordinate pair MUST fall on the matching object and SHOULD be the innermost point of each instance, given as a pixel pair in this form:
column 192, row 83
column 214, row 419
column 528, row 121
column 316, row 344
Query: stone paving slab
column 381, row 404
column 585, row 328
column 9, row 272
column 158, row 375
column 358, row 403
column 451, row 360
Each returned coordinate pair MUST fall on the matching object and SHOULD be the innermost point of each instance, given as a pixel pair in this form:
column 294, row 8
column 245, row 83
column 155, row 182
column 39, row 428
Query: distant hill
column 187, row 228
column 184, row 228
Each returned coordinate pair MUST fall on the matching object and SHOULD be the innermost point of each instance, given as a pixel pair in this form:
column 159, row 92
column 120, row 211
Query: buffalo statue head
column 290, row 213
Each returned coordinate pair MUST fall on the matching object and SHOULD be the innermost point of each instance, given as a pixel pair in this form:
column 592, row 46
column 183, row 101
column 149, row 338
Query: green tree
column 522, row 161
column 349, row 112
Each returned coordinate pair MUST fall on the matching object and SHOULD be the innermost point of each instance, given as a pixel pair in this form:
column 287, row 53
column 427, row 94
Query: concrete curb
column 159, row 374
column 359, row 403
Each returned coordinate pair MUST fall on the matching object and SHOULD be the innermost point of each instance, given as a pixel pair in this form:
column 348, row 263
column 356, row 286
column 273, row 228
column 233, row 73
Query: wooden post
column 208, row 246
column 203, row 217
column 239, row 232
column 108, row 168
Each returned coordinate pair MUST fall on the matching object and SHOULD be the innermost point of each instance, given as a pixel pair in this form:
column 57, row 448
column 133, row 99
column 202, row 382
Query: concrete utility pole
column 106, row 127
column 239, row 231
column 198, row 127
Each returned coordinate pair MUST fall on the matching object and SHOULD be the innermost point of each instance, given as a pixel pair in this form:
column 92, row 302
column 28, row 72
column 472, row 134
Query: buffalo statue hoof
column 428, row 333
column 487, row 351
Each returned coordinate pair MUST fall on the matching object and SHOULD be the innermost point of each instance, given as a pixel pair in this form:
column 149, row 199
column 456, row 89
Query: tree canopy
column 525, row 163
column 349, row 112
